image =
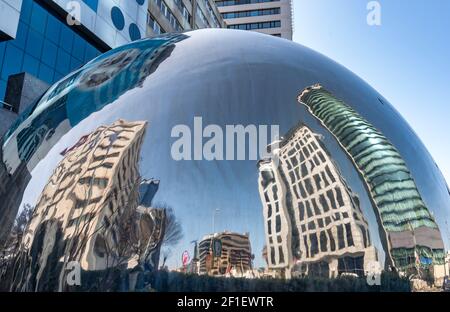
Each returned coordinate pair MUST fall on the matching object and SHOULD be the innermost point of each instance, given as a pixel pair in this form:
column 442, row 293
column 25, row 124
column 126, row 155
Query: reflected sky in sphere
column 234, row 78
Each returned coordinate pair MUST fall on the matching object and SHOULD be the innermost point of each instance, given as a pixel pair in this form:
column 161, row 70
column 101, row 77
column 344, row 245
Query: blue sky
column 406, row 58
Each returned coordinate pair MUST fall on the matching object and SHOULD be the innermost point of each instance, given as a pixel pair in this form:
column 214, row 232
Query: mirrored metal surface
column 219, row 152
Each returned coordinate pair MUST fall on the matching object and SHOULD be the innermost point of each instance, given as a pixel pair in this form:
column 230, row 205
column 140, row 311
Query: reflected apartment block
column 272, row 17
column 224, row 253
column 88, row 212
column 181, row 15
column 411, row 233
column 313, row 221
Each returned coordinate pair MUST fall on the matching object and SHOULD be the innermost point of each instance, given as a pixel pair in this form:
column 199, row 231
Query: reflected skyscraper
column 411, row 233
column 313, row 221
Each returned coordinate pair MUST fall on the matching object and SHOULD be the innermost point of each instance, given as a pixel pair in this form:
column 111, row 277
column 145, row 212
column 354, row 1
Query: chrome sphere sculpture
column 219, row 152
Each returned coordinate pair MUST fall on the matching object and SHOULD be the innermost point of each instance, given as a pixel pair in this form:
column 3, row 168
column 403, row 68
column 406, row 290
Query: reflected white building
column 313, row 221
column 224, row 253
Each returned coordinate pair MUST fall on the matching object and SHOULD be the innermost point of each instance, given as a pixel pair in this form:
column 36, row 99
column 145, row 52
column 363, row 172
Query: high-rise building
column 220, row 253
column 272, row 17
column 312, row 219
column 40, row 38
column 180, row 15
column 88, row 211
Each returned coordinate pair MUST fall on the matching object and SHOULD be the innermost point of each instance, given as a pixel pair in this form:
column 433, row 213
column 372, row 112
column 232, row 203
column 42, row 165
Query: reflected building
column 171, row 79
column 225, row 252
column 411, row 234
column 43, row 124
column 313, row 221
column 147, row 191
column 88, row 212
column 40, row 43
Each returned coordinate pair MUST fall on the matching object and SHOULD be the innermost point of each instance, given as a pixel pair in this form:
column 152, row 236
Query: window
column 168, row 14
column 259, row 25
column 340, row 232
column 239, row 2
column 251, row 13
column 323, row 241
column 213, row 16
column 281, row 254
column 278, row 224
column 348, row 230
column 202, row 17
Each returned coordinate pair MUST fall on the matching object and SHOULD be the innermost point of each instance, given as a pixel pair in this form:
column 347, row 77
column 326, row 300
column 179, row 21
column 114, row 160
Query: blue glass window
column 53, row 29
column 49, row 53
column 12, row 62
column 2, row 53
column 38, row 18
column 21, row 36
column 25, row 13
column 79, row 46
column 34, row 43
column 46, row 73
column 66, row 38
column 91, row 53
column 57, row 76
column 63, row 61
column 75, row 64
column 30, row 65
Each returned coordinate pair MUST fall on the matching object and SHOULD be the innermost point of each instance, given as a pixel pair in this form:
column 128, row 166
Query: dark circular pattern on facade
column 135, row 33
column 140, row 2
column 117, row 18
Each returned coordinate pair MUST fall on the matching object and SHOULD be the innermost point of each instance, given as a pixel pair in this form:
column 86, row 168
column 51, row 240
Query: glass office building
column 41, row 41
column 44, row 47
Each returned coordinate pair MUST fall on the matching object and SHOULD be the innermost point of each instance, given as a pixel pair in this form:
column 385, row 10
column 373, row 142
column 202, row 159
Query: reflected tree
column 173, row 231
column 10, row 249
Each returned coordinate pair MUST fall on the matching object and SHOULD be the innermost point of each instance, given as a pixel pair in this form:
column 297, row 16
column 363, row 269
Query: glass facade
column 44, row 46
column 239, row 2
column 253, row 26
column 250, row 13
